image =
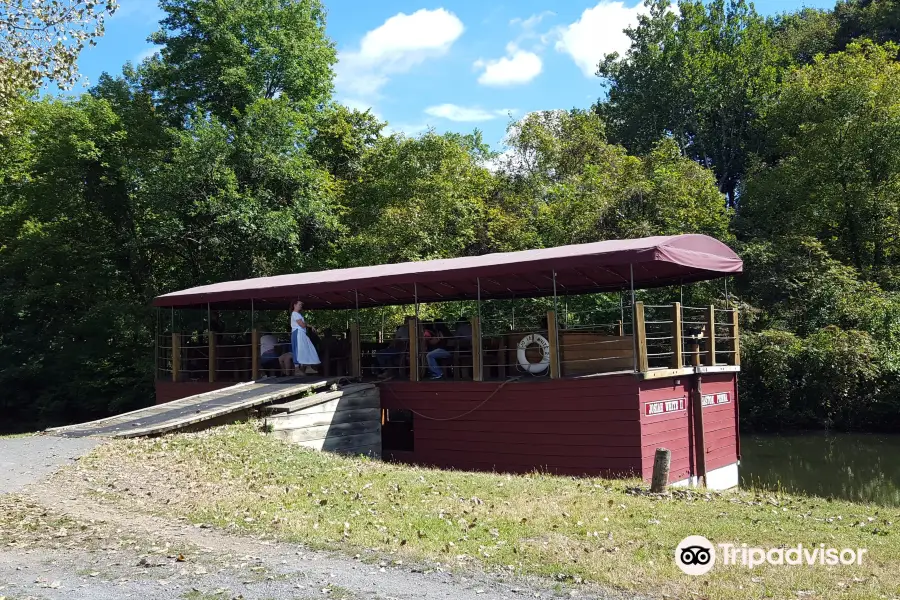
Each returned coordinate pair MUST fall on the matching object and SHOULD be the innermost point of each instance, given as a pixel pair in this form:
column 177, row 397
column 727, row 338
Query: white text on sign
column 715, row 399
column 663, row 407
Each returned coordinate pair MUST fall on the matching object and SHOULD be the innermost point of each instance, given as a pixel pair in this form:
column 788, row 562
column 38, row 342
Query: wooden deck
column 185, row 412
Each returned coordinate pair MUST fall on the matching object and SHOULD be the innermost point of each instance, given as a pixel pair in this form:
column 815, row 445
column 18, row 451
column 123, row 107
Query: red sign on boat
column 663, row 407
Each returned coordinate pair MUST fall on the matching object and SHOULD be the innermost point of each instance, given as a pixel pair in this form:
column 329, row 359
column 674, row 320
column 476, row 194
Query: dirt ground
column 59, row 541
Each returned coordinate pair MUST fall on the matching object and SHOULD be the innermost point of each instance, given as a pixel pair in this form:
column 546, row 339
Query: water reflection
column 860, row 467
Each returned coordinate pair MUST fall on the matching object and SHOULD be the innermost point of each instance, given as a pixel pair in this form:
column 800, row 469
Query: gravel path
column 61, row 543
column 25, row 460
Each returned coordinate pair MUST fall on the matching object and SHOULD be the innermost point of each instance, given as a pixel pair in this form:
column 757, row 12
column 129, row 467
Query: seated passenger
column 269, row 356
column 437, row 342
column 389, row 358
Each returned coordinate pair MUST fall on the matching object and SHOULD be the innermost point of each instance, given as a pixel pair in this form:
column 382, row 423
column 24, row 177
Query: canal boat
column 566, row 394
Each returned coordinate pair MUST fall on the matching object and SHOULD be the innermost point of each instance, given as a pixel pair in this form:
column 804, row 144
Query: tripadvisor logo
column 696, row 555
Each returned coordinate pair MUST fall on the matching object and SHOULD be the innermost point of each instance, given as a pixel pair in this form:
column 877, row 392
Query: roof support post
column 176, row 356
column 413, row 325
column 555, row 310
column 416, row 297
column 478, row 371
column 475, row 323
column 156, row 347
column 621, row 313
column 254, row 354
column 211, row 340
column 355, row 348
column 634, row 342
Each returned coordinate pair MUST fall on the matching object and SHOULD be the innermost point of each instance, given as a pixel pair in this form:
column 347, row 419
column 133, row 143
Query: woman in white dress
column 301, row 347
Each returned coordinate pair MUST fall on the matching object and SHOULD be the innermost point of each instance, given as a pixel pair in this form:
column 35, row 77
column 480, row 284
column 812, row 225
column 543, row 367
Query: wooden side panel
column 673, row 429
column 350, row 424
column 668, row 429
column 166, row 390
column 720, row 421
column 565, row 426
column 584, row 353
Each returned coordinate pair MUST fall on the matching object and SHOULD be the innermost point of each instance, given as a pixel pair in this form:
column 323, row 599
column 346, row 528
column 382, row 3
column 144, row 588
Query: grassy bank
column 591, row 530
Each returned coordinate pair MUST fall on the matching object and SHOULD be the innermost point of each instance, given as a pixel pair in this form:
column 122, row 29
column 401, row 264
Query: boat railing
column 653, row 338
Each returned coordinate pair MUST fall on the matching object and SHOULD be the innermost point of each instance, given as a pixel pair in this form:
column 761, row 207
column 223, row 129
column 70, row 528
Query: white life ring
column 541, row 341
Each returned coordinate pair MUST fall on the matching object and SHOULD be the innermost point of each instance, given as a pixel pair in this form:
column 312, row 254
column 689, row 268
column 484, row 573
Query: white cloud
column 599, row 31
column 407, row 129
column 398, row 45
column 532, row 21
column 357, row 104
column 517, row 67
column 466, row 114
column 145, row 54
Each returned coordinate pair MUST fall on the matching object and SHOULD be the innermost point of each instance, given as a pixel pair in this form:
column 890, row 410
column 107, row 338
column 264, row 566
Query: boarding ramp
column 202, row 408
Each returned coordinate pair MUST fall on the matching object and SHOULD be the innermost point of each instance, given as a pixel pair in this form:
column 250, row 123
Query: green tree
column 416, row 198
column 833, row 171
column 572, row 186
column 223, row 56
column 699, row 77
column 75, row 274
column 804, row 34
column 876, row 20
column 40, row 40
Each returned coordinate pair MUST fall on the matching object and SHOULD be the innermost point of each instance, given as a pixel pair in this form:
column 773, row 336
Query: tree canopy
column 225, row 156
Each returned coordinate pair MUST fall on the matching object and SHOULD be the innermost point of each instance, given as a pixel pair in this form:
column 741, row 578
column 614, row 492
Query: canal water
column 850, row 466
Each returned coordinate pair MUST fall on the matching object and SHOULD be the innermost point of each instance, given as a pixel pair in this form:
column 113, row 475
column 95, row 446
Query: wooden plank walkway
column 178, row 414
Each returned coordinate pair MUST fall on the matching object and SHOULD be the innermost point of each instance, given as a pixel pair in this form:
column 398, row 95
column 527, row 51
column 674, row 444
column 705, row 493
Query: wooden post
column 413, row 349
column 677, row 359
column 254, row 355
column 355, row 367
column 735, row 336
column 212, row 356
column 640, row 337
column 553, row 334
column 477, row 374
column 327, row 342
column 176, row 356
column 711, row 336
column 694, row 350
column 661, row 464
column 621, row 328
column 699, row 441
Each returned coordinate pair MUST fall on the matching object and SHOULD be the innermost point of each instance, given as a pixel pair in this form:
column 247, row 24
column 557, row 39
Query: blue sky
column 454, row 65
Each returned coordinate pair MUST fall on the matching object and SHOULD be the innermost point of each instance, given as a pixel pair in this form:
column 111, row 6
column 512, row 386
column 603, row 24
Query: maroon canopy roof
column 582, row 268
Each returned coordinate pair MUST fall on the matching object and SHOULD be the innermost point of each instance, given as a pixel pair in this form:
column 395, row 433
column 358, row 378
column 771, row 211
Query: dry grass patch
column 592, row 530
